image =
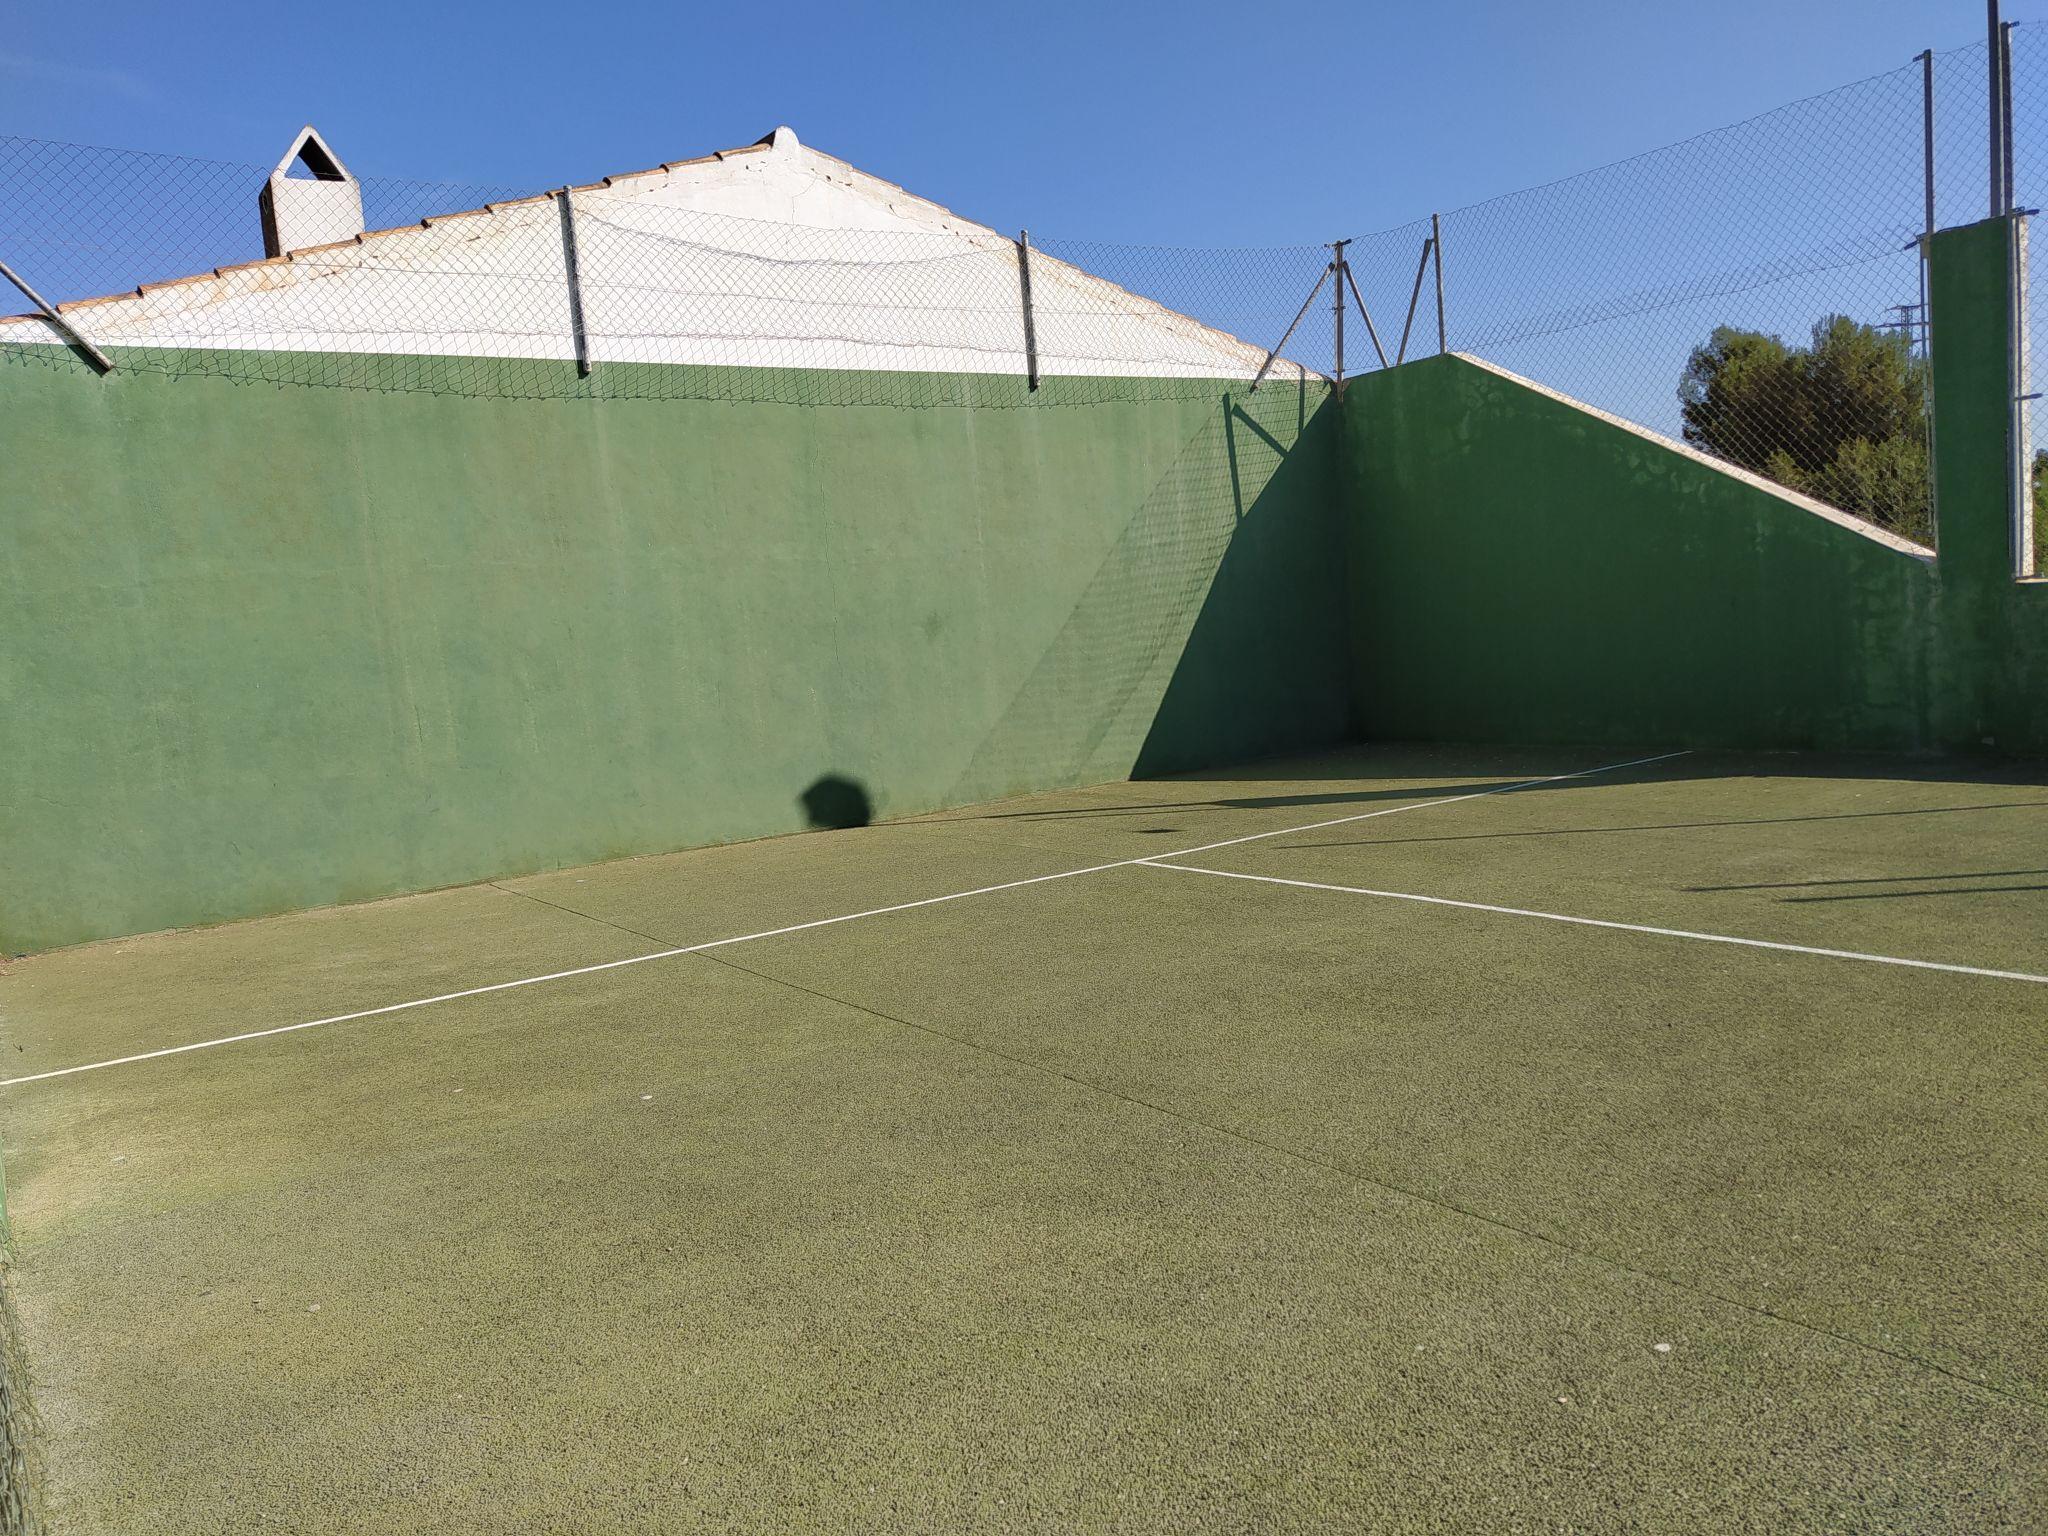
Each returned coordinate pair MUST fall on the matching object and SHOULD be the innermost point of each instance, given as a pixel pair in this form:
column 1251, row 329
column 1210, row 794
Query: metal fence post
column 1996, row 93
column 2018, row 433
column 1030, row 315
column 1927, row 135
column 2024, row 555
column 1920, row 330
column 572, row 268
column 100, row 360
column 2005, row 112
column 1337, row 265
column 1436, row 245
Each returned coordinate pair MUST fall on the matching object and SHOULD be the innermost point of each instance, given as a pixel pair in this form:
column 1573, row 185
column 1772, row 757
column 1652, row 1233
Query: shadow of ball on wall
column 836, row 802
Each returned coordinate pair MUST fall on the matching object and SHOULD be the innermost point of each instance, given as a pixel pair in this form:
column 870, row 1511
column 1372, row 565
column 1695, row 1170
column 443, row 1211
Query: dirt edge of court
column 20, row 1439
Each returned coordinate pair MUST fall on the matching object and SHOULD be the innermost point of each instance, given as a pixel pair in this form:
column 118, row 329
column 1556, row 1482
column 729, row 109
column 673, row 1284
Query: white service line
column 821, row 922
column 1600, row 922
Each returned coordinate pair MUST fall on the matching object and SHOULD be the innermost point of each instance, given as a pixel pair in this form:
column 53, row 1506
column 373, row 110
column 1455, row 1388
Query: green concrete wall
column 273, row 647
column 1994, row 626
column 269, row 648
column 2019, row 705
column 1526, row 570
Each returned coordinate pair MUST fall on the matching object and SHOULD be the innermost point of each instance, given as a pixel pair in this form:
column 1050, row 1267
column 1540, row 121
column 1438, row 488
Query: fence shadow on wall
column 1210, row 631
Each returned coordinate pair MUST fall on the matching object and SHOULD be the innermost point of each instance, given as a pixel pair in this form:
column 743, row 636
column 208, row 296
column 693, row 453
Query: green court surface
column 1110, row 1195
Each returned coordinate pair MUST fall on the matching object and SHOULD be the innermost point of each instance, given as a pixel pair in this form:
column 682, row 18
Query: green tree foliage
column 1842, row 419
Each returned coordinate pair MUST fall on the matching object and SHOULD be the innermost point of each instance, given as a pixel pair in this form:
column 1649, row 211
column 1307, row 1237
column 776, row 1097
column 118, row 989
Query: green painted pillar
column 1976, row 447
column 1977, row 472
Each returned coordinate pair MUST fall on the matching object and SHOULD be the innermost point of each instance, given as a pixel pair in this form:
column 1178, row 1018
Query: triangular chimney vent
column 319, row 206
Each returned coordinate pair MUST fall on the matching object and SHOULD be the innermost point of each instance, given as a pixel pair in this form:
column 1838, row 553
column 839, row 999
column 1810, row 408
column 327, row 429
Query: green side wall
column 270, row 648
column 2019, row 704
column 1523, row 569
column 1526, row 570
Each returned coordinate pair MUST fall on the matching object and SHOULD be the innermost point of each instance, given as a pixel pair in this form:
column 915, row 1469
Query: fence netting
column 1753, row 291
column 1756, row 291
column 79, row 221
column 621, row 290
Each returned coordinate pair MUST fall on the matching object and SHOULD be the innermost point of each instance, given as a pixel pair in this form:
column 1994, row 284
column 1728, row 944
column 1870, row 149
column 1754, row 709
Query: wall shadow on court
column 1262, row 670
column 1464, row 778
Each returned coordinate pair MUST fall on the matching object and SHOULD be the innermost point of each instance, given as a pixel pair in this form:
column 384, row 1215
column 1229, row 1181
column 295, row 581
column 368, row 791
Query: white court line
column 770, row 933
column 1600, row 922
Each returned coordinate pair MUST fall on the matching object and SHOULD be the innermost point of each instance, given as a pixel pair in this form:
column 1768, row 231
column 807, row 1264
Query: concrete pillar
column 1992, row 641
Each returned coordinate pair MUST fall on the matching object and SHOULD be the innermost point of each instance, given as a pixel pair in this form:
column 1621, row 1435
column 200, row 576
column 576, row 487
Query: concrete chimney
column 319, row 208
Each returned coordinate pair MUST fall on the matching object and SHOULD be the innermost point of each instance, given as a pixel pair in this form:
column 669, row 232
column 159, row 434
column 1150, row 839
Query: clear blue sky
column 1203, row 123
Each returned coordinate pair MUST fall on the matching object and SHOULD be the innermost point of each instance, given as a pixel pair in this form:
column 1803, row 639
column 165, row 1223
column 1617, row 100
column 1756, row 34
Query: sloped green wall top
column 1525, row 569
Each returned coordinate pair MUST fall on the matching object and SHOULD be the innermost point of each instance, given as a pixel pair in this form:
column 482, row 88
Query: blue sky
column 1197, row 124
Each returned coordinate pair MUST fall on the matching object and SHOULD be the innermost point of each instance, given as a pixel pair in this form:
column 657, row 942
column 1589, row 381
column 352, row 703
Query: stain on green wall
column 276, row 647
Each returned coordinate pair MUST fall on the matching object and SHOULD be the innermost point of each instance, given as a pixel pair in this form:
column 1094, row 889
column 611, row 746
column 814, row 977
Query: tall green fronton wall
column 1993, row 690
column 276, row 647
column 270, row 648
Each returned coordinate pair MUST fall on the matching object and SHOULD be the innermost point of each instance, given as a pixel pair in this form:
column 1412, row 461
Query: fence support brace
column 100, row 360
column 1916, row 333
column 2005, row 112
column 577, row 330
column 1030, row 315
column 1414, row 295
column 1997, row 98
column 1365, row 314
column 1927, row 134
column 1436, row 244
column 1260, row 378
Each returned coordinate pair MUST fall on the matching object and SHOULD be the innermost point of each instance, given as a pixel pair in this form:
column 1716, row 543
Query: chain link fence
column 1755, row 291
column 623, row 290
column 80, row 222
column 1253, row 293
